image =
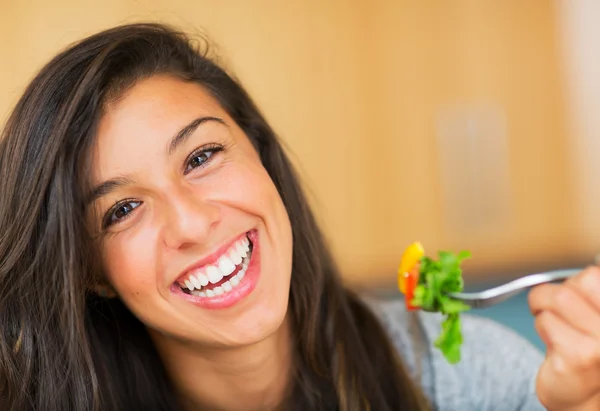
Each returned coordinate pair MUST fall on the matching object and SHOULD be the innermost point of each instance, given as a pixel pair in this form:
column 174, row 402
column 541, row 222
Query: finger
column 587, row 283
column 557, row 391
column 569, row 304
column 574, row 354
column 540, row 298
column 541, row 325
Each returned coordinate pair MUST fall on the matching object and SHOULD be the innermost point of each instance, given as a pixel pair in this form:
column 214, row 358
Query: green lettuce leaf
column 437, row 278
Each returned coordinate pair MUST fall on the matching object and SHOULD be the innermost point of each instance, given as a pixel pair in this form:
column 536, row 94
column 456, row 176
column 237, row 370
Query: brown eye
column 119, row 212
column 201, row 158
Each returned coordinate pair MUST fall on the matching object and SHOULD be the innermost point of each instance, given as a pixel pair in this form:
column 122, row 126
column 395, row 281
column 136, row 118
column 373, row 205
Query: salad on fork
column 427, row 283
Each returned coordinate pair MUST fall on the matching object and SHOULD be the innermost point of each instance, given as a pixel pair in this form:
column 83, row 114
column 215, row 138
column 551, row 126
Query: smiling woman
column 157, row 253
column 189, row 188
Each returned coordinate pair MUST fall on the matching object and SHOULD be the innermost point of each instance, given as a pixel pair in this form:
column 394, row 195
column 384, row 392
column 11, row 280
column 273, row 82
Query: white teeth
column 226, row 265
column 203, row 279
column 227, row 286
column 195, row 281
column 214, row 274
column 241, row 250
column 235, row 257
column 239, row 253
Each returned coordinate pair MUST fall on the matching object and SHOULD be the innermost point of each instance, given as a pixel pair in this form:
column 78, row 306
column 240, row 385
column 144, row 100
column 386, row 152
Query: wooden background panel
column 358, row 90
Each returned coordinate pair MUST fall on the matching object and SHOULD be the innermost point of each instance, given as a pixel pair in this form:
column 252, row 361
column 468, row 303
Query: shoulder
column 497, row 370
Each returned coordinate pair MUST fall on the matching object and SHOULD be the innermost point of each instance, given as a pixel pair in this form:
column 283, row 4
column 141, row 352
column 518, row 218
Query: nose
column 189, row 220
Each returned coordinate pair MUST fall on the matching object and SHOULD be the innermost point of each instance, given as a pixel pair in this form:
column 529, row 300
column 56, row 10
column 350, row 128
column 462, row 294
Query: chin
column 257, row 325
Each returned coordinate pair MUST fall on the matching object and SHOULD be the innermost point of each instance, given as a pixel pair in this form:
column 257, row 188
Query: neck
column 253, row 377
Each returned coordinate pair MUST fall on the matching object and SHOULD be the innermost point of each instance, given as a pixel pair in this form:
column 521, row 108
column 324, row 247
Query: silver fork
column 493, row 296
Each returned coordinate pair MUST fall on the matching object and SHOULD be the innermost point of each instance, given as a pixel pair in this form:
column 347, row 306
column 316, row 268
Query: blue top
column 497, row 369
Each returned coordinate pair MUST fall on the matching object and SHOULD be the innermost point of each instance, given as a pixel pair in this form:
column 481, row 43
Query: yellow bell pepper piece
column 412, row 255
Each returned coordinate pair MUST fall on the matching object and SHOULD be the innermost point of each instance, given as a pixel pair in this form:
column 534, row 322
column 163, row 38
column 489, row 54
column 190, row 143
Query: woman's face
column 194, row 237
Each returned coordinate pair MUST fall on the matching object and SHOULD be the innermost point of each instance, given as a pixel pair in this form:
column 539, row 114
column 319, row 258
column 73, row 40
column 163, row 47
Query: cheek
column 248, row 186
column 276, row 220
column 130, row 271
column 269, row 205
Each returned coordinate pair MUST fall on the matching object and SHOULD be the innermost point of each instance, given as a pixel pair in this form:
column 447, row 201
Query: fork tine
column 493, row 296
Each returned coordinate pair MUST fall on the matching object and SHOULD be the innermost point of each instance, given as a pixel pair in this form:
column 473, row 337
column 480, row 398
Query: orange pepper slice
column 411, row 257
column 408, row 272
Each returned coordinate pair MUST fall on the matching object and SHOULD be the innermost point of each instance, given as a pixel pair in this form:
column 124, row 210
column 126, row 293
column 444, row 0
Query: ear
column 105, row 291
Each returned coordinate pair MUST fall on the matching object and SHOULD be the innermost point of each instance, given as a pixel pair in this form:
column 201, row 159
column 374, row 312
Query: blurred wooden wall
column 375, row 100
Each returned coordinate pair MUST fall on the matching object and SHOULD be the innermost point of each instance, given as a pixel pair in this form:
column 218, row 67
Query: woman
column 157, row 253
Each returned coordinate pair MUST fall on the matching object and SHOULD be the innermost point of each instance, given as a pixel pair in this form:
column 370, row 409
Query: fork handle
column 549, row 277
column 503, row 292
column 531, row 281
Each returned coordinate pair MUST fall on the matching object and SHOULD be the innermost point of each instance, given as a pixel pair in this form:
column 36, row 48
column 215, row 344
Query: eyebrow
column 107, row 187
column 185, row 132
column 177, row 140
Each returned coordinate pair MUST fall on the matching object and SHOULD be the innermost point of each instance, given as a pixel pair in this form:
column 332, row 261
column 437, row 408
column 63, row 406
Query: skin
column 237, row 358
column 567, row 318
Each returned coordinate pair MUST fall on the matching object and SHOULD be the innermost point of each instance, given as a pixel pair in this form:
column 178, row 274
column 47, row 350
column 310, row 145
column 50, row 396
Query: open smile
column 229, row 277
column 223, row 276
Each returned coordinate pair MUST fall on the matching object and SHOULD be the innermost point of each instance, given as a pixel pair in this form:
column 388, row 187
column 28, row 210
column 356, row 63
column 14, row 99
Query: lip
column 241, row 291
column 210, row 259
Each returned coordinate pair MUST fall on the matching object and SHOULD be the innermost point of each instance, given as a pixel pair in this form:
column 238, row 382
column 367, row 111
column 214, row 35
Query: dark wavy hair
column 64, row 348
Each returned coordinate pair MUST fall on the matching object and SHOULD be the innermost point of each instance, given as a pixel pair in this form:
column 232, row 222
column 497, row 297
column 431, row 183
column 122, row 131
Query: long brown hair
column 64, row 348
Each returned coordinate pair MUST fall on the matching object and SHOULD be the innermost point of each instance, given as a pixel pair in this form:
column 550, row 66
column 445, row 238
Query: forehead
column 143, row 121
